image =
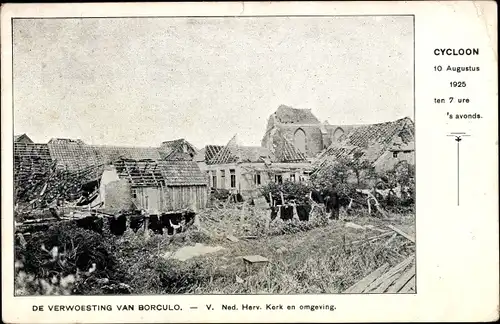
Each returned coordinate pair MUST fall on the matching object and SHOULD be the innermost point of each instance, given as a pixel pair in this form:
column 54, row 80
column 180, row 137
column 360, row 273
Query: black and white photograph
column 214, row 155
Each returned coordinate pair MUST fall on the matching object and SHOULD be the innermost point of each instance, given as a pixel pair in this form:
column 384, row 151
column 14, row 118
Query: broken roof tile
column 369, row 142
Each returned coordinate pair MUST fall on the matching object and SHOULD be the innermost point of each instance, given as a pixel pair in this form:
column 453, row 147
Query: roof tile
column 369, row 142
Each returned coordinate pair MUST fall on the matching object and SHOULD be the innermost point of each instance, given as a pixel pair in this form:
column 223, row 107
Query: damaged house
column 206, row 154
column 69, row 168
column 383, row 145
column 302, row 129
column 32, row 167
column 244, row 169
column 155, row 186
column 179, row 149
column 76, row 157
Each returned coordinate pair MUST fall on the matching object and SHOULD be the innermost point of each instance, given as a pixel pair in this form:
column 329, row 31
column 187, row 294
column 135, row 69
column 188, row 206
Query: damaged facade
column 244, row 169
column 384, row 144
column 302, row 129
column 155, row 186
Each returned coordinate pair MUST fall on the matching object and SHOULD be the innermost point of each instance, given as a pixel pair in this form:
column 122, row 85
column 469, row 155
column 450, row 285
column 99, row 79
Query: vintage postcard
column 250, row 162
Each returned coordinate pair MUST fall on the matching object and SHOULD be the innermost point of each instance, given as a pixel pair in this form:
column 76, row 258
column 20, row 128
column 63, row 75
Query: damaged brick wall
column 314, row 138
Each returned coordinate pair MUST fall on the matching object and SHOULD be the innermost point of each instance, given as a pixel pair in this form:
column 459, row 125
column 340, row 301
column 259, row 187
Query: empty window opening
column 223, row 179
column 233, row 178
column 300, row 140
column 257, row 179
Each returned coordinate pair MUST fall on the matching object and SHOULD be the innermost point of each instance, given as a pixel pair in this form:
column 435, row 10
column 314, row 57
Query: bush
column 338, row 175
column 297, row 191
column 66, row 251
column 220, row 194
column 402, row 176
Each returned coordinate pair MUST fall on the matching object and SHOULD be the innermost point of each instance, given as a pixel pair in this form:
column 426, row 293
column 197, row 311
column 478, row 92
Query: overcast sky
column 141, row 81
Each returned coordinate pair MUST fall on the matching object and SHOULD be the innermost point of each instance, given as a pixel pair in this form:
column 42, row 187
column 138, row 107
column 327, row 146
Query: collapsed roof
column 62, row 164
column 369, row 142
column 149, row 173
column 284, row 151
column 233, row 152
column 31, row 158
column 179, row 149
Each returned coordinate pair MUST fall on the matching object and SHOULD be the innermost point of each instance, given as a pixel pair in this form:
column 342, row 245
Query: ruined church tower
column 301, row 128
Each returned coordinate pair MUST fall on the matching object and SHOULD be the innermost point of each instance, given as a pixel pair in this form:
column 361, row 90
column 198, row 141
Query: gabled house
column 155, row 186
column 383, row 145
column 23, row 138
column 244, row 169
column 179, row 149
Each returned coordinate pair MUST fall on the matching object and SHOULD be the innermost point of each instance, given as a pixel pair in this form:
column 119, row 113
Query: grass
column 317, row 260
column 304, row 257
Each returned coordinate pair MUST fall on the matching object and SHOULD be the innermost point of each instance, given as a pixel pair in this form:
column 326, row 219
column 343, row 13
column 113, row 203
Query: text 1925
column 457, row 84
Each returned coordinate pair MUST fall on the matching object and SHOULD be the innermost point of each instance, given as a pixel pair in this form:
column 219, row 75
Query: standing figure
column 332, row 203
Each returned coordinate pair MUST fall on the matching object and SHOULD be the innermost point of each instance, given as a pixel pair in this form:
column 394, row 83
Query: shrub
column 66, row 251
column 220, row 194
column 358, row 173
column 338, row 176
column 298, row 191
column 402, row 176
column 28, row 285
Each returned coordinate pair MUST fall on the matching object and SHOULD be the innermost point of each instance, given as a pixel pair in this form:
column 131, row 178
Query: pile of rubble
column 53, row 186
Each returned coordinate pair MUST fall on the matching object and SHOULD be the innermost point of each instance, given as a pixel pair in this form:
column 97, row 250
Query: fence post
column 268, row 221
column 242, row 215
column 295, row 212
column 146, row 223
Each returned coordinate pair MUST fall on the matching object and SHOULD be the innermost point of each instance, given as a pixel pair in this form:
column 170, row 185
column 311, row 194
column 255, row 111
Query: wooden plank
column 255, row 259
column 359, row 286
column 400, row 232
column 388, row 274
column 409, row 287
column 402, row 281
column 387, row 282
